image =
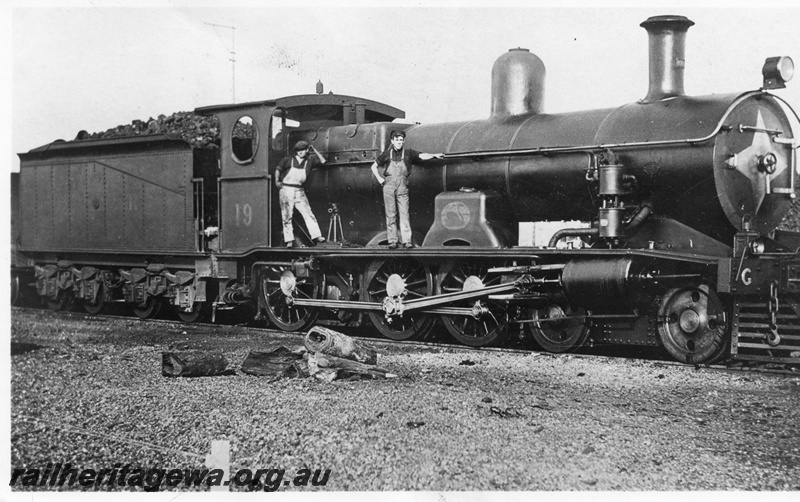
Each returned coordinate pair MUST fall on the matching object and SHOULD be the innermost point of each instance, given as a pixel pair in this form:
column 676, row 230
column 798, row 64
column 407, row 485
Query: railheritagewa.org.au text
column 154, row 479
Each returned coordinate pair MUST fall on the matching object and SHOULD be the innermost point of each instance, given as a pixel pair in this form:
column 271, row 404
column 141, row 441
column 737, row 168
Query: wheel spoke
column 414, row 272
column 418, row 284
column 283, row 315
column 476, row 332
column 558, row 336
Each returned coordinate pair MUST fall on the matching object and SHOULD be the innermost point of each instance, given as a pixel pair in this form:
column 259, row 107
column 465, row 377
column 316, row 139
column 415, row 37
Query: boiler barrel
column 659, row 144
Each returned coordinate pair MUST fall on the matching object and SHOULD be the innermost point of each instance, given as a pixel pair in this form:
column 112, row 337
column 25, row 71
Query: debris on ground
column 193, row 364
column 330, row 342
column 505, row 413
column 328, row 355
column 333, row 355
column 278, row 363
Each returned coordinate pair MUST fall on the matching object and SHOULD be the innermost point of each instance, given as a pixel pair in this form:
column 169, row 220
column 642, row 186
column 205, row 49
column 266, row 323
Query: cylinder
column 667, row 42
column 597, row 281
column 517, row 84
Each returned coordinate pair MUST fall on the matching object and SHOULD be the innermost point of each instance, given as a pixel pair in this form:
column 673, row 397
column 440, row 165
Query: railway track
column 588, row 352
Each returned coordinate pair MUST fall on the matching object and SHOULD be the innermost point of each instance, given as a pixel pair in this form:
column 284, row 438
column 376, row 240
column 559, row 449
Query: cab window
column 244, row 140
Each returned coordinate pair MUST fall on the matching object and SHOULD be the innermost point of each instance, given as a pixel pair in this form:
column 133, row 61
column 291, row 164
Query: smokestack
column 667, row 51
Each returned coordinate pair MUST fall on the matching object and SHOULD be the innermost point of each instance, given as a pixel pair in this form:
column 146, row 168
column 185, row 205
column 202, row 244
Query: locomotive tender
column 671, row 206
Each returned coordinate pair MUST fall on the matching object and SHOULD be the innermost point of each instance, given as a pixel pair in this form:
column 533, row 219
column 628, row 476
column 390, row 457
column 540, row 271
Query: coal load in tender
column 198, row 130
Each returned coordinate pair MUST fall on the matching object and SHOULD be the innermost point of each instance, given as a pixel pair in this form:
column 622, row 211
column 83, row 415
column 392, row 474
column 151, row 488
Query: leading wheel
column 279, row 287
column 559, row 327
column 404, row 279
column 489, row 323
column 692, row 324
column 148, row 309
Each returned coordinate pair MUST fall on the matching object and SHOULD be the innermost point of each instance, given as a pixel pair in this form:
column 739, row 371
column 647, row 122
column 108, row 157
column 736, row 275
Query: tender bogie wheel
column 279, row 286
column 198, row 313
column 416, row 279
column 99, row 304
column 692, row 325
column 559, row 327
column 148, row 309
column 64, row 300
column 490, row 326
column 16, row 289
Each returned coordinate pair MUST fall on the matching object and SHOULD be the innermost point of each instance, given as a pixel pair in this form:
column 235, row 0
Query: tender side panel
column 133, row 202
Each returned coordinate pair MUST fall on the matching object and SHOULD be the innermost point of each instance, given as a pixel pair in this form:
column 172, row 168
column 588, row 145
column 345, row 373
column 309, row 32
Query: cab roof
column 375, row 111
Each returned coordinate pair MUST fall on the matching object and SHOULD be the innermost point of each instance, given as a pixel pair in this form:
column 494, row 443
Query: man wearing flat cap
column 397, row 162
column 290, row 175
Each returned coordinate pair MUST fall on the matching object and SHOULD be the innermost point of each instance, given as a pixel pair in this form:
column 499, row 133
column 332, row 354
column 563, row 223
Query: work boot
column 290, row 244
column 393, row 245
column 408, row 245
column 320, row 239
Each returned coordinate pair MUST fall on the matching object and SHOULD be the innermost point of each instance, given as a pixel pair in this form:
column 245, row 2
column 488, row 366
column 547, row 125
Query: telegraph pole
column 233, row 55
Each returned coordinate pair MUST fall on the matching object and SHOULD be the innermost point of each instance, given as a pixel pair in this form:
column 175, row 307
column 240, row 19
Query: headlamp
column 777, row 71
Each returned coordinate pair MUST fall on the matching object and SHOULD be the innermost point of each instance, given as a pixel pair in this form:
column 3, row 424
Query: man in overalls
column 397, row 162
column 290, row 175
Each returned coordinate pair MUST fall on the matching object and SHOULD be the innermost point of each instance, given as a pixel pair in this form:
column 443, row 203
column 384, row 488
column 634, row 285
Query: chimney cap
column 675, row 22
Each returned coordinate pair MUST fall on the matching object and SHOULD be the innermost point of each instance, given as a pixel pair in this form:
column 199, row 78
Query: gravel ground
column 90, row 392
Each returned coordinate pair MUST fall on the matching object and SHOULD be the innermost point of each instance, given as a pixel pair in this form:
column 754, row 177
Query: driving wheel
column 279, row 287
column 393, row 281
column 488, row 325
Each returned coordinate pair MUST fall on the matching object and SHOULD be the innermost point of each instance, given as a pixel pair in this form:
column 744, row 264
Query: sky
column 93, row 65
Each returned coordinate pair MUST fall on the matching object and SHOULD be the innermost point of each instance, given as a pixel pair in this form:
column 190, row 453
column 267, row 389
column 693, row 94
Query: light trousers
column 291, row 198
column 395, row 199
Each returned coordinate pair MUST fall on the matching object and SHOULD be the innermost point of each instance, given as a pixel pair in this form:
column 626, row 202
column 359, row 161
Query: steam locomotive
column 650, row 224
